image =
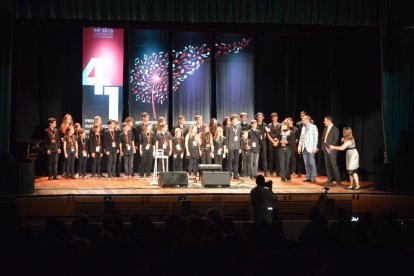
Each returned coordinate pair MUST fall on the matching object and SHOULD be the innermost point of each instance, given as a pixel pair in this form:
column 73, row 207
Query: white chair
column 159, row 154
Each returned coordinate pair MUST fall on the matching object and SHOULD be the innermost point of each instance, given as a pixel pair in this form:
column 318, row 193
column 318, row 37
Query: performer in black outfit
column 127, row 148
column 192, row 142
column 261, row 125
column 52, row 147
column 147, row 145
column 246, row 147
column 233, row 134
column 255, row 137
column 220, row 148
column 163, row 140
column 273, row 130
column 70, row 147
column 135, row 133
column 330, row 136
column 206, row 146
column 286, row 141
column 96, row 151
column 83, row 152
column 111, row 148
column 296, row 133
column 118, row 156
column 178, row 146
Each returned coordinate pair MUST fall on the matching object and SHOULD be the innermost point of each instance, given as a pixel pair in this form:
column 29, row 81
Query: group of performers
column 238, row 144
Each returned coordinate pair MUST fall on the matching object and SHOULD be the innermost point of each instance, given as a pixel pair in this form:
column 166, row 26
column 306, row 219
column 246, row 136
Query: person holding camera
column 263, row 200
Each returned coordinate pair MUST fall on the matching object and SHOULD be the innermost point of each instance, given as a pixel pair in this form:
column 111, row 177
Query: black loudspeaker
column 173, row 179
column 384, row 176
column 25, row 178
column 216, row 179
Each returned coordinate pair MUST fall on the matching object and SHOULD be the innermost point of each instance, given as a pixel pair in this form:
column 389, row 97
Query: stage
column 69, row 198
column 143, row 186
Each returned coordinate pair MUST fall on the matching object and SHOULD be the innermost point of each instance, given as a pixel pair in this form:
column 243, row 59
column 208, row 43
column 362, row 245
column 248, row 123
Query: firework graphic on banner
column 149, row 76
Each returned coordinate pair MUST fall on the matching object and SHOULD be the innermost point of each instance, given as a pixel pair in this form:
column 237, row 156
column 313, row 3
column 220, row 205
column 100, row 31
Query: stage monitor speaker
column 216, row 179
column 25, row 178
column 173, row 179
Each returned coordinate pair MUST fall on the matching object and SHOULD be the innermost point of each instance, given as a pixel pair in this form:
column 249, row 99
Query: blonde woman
column 220, row 148
column 192, row 143
column 352, row 157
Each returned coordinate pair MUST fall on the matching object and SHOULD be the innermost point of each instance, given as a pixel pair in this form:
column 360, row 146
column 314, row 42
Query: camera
column 269, row 184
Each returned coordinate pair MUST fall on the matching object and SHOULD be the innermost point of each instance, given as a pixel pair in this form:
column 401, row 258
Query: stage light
column 155, row 78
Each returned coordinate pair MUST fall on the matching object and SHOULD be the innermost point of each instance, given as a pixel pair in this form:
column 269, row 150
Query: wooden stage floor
column 138, row 186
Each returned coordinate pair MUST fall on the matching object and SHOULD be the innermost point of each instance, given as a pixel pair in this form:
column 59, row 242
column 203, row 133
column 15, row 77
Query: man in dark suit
column 233, row 135
column 330, row 136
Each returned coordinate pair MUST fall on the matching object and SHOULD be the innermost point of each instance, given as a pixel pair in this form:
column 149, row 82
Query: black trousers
column 263, row 156
column 82, row 161
column 70, row 164
column 331, row 165
column 206, row 156
column 233, row 162
column 96, row 164
column 218, row 159
column 128, row 164
column 293, row 163
column 285, row 155
column 193, row 165
column 246, row 165
column 118, row 164
column 177, row 163
column 111, row 163
column 137, row 163
column 146, row 164
column 274, row 165
column 52, row 163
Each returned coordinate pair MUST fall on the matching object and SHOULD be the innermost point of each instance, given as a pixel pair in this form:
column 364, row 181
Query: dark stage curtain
column 324, row 72
column 5, row 76
column 327, row 12
column 398, row 93
column 47, row 78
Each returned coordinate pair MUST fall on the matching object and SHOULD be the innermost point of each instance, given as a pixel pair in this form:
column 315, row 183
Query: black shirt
column 83, row 145
column 126, row 140
column 95, row 141
column 244, row 144
column 219, row 145
column 255, row 137
column 147, row 139
column 178, row 145
column 233, row 134
column 111, row 141
column 52, row 139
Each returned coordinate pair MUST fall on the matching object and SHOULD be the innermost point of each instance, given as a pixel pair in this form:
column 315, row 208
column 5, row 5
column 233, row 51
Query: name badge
column 98, row 149
column 72, row 149
column 219, row 152
column 128, row 147
column 114, row 144
column 194, row 143
column 53, row 141
column 261, row 137
column 236, row 138
column 84, row 153
column 178, row 147
column 164, row 146
column 253, row 144
column 147, row 147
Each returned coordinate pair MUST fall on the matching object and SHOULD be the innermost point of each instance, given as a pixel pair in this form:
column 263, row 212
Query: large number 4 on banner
column 101, row 84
